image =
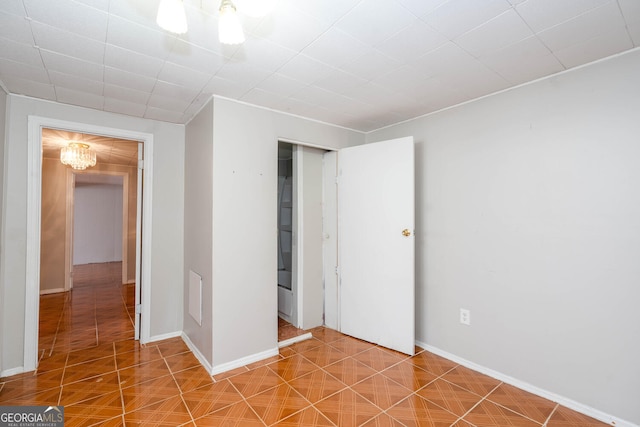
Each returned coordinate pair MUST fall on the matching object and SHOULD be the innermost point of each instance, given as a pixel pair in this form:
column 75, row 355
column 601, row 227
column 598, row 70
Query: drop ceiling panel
column 67, row 43
column 456, row 17
column 73, row 66
column 69, row 15
column 584, row 27
column 543, row 14
column 414, row 40
column 373, row 21
column 15, row 27
column 359, row 63
column 503, row 30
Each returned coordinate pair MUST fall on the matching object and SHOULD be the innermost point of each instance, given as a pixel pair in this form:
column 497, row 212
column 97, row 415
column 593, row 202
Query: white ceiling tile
column 22, row 71
column 630, row 10
column 14, row 7
column 124, row 107
column 132, row 36
column 375, row 94
column 421, row 7
column 583, row 27
column 223, row 87
column 69, row 16
column 244, row 75
column 66, row 43
column 313, row 95
column 82, row 99
column 182, row 76
column 180, row 93
column 600, row 46
column 448, row 58
column 155, row 113
column 434, row 94
column 263, row 54
column 291, row 28
column 168, row 103
column 305, row 69
column 140, row 12
column 125, row 79
column 125, row 94
column 324, row 10
column 264, row 98
column 524, row 61
column 404, row 79
column 340, row 82
column 15, row 28
column 474, row 80
column 334, row 47
column 371, row 64
column 456, row 17
column 134, row 62
column 277, row 83
column 98, row 4
column 414, row 40
column 20, row 52
column 75, row 67
column 373, row 21
column 76, row 83
column 543, row 14
column 27, row 86
column 195, row 57
column 501, row 31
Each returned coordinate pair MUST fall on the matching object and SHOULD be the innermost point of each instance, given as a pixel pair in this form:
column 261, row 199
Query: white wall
column 528, row 214
column 198, row 217
column 167, row 223
column 245, row 153
column 97, row 224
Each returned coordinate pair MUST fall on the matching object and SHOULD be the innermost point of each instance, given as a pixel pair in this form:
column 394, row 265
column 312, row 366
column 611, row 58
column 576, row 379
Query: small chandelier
column 229, row 27
column 78, row 155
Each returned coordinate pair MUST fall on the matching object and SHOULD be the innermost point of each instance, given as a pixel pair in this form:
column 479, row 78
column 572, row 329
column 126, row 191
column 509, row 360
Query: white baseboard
column 163, row 337
column 196, row 352
column 12, row 371
column 51, row 291
column 564, row 401
column 218, row 369
column 303, row 337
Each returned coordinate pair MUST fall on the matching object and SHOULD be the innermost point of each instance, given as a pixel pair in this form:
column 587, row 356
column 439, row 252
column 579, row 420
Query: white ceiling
column 361, row 64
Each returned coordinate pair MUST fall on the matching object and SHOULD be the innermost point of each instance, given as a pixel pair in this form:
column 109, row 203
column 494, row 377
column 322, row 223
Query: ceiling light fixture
column 229, row 27
column 78, row 155
column 172, row 17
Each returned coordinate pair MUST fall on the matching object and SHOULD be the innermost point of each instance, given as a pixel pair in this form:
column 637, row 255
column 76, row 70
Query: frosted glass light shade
column 172, row 17
column 229, row 27
column 78, row 155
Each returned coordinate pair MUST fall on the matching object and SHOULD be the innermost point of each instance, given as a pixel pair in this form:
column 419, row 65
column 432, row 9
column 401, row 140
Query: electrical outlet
column 465, row 316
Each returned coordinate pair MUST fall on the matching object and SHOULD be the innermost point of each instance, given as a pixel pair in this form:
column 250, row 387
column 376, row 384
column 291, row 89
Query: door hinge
column 337, row 270
column 138, row 308
column 140, row 164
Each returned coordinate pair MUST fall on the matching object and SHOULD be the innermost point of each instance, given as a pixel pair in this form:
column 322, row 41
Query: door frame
column 34, row 202
column 68, row 244
column 329, row 251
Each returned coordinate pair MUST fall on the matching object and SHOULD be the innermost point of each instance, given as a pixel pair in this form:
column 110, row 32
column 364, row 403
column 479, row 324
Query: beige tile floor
column 329, row 380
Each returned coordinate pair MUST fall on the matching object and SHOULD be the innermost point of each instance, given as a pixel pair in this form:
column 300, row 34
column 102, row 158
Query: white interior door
column 138, row 301
column 376, row 243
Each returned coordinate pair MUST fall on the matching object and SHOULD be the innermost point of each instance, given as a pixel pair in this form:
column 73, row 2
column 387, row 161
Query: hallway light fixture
column 172, row 16
column 78, row 155
column 229, row 27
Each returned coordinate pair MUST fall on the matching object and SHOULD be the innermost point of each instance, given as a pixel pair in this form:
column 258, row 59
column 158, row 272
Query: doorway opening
column 88, row 245
column 307, row 244
column 38, row 127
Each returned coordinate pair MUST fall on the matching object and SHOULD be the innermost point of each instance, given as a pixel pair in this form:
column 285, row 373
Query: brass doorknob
column 406, row 232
